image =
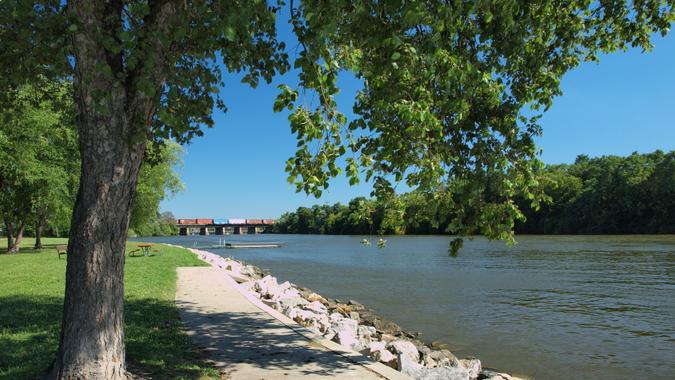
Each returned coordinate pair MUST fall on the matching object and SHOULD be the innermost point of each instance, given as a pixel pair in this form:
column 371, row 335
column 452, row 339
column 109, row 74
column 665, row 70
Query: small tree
column 37, row 158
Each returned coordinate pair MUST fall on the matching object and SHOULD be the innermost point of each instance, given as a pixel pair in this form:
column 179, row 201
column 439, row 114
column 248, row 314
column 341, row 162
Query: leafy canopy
column 452, row 91
column 38, row 155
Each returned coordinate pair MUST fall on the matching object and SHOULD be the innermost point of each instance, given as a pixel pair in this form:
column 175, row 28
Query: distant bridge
column 223, row 226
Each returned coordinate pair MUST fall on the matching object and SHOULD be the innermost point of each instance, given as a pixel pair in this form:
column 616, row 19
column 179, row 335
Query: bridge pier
column 183, row 231
column 203, row 231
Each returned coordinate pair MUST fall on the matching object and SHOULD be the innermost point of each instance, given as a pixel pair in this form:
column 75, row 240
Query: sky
column 624, row 104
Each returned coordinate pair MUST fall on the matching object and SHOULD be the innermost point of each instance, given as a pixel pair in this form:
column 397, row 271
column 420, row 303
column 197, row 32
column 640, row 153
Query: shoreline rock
column 354, row 326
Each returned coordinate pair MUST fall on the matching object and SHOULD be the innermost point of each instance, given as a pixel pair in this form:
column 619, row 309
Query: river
column 550, row 307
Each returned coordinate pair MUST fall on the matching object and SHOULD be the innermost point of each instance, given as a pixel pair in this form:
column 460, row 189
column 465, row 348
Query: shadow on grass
column 31, row 250
column 156, row 345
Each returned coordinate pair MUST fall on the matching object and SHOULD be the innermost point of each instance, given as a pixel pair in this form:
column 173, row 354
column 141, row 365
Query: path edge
column 351, row 355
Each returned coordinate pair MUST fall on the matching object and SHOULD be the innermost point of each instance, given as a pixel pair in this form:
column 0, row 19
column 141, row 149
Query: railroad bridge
column 223, row 226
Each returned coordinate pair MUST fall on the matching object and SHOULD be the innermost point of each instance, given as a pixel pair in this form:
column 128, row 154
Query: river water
column 550, row 307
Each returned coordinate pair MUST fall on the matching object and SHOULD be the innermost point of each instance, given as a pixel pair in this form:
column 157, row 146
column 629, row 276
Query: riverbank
column 352, row 325
column 31, row 306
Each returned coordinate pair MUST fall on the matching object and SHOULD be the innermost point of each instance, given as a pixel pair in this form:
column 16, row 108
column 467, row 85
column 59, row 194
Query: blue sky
column 625, row 103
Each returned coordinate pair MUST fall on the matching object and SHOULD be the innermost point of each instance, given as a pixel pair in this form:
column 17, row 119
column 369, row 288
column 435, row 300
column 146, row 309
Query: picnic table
column 145, row 248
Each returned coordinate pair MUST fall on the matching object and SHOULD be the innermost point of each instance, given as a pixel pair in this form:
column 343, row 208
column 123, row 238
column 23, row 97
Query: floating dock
column 253, row 245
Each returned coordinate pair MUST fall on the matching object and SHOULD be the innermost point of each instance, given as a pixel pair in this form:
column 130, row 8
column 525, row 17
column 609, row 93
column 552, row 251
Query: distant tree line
column 40, row 168
column 609, row 194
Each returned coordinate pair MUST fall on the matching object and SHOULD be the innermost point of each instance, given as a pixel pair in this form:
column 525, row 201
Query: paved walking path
column 251, row 343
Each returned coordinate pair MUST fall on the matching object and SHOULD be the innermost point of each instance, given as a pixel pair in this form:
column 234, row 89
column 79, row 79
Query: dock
column 253, row 245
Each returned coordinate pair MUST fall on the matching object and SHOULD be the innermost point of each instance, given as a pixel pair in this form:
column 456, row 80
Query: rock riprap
column 353, row 326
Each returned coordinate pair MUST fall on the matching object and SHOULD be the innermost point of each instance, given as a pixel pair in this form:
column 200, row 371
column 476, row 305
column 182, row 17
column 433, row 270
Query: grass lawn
column 31, row 303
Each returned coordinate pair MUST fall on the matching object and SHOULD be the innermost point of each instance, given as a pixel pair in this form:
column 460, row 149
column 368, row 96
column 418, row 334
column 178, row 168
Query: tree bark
column 17, row 239
column 92, row 336
column 113, row 119
column 38, row 235
column 10, row 235
column 92, row 333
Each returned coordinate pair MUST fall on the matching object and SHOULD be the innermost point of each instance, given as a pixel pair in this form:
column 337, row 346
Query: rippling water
column 551, row 307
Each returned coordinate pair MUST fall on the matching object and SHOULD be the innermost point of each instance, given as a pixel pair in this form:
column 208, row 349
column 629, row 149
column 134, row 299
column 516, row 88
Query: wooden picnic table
column 145, row 247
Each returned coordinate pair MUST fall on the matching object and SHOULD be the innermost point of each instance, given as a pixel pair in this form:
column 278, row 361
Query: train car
column 221, row 221
column 204, row 221
column 237, row 221
column 268, row 221
column 187, row 221
column 254, row 221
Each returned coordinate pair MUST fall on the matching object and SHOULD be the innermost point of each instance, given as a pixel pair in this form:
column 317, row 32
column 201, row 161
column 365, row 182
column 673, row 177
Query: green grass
column 31, row 302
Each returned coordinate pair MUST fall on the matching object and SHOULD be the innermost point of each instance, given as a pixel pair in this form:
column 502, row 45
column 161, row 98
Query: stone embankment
column 354, row 326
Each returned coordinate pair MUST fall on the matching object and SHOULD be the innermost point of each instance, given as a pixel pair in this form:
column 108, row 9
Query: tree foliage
column 604, row 195
column 39, row 160
column 446, row 86
column 158, row 180
column 452, row 92
column 609, row 194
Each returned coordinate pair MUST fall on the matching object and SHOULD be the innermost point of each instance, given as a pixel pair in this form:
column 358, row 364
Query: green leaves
column 445, row 93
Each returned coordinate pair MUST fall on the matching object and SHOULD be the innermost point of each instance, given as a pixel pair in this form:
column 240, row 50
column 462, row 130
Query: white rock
column 376, row 346
column 263, row 285
column 279, row 295
column 336, row 317
column 367, row 331
column 292, row 302
column 408, row 366
column 365, row 337
column 316, row 307
column 248, row 285
column 443, row 373
column 472, row 365
column 284, row 285
column 320, row 323
column 303, row 315
column 347, row 334
column 386, row 357
column 346, row 338
column 406, row 348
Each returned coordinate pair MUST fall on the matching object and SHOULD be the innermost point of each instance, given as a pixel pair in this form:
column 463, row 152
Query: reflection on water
column 551, row 307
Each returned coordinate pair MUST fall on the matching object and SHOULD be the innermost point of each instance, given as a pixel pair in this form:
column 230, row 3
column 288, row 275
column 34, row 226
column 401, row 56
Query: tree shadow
column 249, row 340
column 156, row 344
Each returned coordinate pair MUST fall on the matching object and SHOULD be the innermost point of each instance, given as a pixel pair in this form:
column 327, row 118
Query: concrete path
column 249, row 343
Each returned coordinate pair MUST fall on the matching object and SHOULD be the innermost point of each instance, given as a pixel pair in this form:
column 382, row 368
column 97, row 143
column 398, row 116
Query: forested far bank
column 604, row 195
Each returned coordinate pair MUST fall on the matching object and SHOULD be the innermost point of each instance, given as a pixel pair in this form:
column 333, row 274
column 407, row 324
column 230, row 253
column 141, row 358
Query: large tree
column 445, row 86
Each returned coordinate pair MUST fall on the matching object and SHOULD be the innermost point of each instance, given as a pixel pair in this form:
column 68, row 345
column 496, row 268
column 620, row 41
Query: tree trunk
column 92, row 333
column 38, row 235
column 17, row 239
column 10, row 235
column 92, row 336
column 113, row 120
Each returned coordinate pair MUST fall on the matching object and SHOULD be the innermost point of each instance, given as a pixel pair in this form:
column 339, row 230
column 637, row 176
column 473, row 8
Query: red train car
column 204, row 221
column 268, row 221
column 254, row 221
column 187, row 221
